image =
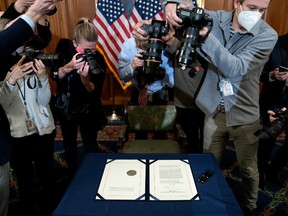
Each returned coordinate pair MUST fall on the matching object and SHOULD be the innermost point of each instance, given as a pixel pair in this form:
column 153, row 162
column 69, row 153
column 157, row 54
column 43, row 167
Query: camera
column 90, row 57
column 275, row 128
column 50, row 60
column 152, row 56
column 146, row 78
column 193, row 21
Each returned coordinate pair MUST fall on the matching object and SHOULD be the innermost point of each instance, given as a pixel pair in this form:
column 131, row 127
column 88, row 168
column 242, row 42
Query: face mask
column 79, row 50
column 247, row 19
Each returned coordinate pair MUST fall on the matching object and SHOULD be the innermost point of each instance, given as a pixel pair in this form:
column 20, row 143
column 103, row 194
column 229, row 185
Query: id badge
column 226, row 87
column 30, row 125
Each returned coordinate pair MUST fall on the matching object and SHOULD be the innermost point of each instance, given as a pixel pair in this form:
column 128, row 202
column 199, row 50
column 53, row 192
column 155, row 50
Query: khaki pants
column 216, row 135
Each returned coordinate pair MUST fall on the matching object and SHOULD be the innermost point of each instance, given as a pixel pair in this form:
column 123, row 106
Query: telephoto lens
column 193, row 21
column 155, row 46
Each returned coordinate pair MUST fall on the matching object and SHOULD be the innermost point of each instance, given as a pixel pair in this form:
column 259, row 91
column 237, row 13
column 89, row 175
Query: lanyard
column 23, row 94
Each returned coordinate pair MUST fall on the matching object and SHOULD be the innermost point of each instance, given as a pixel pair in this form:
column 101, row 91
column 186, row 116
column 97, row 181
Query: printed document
column 123, row 180
column 172, row 180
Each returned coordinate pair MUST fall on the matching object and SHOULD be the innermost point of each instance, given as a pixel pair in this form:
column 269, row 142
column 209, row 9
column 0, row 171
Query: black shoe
column 249, row 212
column 275, row 180
column 262, row 181
column 273, row 177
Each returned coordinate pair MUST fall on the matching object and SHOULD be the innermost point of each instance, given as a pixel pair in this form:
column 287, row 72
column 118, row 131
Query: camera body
column 276, row 127
column 90, row 57
column 50, row 60
column 193, row 21
column 153, row 54
column 157, row 29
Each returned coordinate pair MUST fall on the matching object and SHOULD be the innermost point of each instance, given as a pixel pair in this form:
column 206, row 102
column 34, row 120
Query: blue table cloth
column 216, row 198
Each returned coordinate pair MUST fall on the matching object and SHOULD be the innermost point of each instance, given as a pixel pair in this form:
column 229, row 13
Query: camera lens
column 155, row 46
column 187, row 54
column 51, row 60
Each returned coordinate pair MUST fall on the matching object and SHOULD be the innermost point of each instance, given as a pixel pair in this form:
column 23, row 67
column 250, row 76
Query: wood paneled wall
column 69, row 11
column 219, row 5
column 276, row 16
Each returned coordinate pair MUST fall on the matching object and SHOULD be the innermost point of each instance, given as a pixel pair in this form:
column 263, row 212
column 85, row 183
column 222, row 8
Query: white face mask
column 247, row 19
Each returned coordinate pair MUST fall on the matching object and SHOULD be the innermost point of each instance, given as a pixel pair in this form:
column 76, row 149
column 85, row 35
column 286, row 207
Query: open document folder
column 165, row 180
column 123, row 180
column 171, row 180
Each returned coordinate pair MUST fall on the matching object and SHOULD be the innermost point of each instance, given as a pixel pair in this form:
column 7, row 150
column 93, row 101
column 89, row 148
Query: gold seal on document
column 131, row 172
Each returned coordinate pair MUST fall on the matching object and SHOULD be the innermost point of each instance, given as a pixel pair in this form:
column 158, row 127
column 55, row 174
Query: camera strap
column 29, row 122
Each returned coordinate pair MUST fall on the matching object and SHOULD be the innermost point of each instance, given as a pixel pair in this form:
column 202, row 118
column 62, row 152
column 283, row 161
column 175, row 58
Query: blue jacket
column 126, row 73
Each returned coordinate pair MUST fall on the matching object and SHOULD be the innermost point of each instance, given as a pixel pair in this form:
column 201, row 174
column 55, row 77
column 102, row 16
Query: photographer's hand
column 85, row 76
column 19, row 71
column 39, row 68
column 276, row 74
column 21, row 5
column 138, row 33
column 62, row 71
column 171, row 16
column 204, row 31
column 272, row 114
column 137, row 61
column 39, row 8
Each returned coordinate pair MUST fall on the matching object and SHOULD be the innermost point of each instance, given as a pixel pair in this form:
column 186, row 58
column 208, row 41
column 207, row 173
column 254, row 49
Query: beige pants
column 216, row 135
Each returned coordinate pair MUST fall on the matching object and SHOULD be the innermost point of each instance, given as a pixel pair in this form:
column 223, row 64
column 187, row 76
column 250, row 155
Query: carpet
column 107, row 143
column 271, row 201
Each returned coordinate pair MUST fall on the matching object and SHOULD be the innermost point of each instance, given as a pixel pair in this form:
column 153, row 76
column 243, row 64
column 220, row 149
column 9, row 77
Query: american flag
column 114, row 20
column 146, row 10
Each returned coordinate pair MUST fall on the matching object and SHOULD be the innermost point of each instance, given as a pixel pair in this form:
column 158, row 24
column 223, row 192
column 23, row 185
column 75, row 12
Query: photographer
column 273, row 96
column 32, row 130
column 131, row 64
column 10, row 39
column 280, row 159
column 79, row 87
column 236, row 49
column 189, row 116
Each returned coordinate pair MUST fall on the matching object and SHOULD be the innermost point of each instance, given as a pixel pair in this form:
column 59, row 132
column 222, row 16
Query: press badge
column 30, row 125
column 226, row 87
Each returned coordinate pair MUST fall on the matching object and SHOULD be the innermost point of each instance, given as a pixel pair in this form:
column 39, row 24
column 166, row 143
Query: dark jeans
column 266, row 164
column 192, row 121
column 277, row 162
column 40, row 150
column 88, row 131
column 280, row 159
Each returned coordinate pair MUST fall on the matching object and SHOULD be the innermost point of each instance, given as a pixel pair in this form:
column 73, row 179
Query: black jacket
column 73, row 99
column 39, row 39
column 274, row 94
